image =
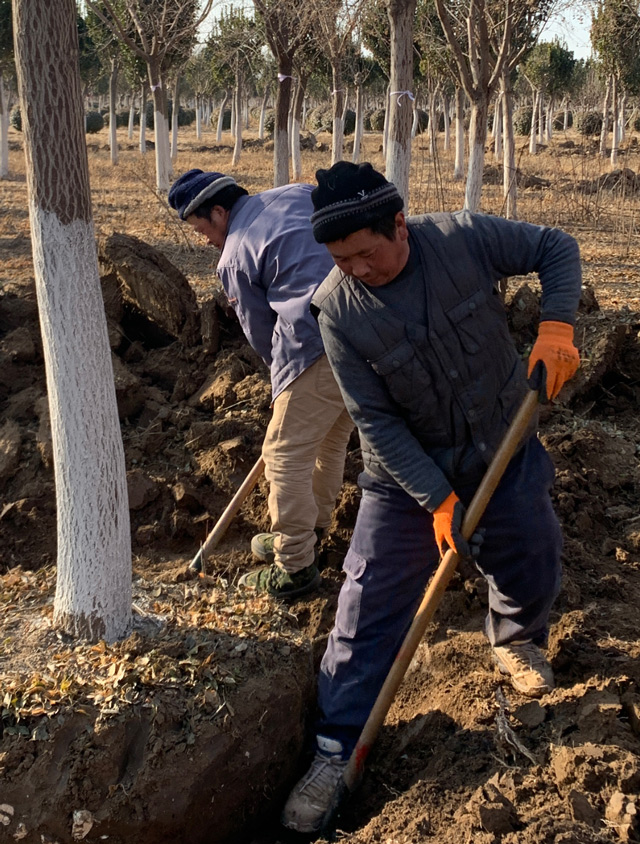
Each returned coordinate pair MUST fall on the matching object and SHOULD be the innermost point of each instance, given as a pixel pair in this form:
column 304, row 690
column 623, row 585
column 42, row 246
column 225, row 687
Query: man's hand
column 554, row 359
column 447, row 524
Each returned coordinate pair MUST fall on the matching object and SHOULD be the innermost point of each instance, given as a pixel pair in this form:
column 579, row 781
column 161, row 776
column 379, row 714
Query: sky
column 572, row 27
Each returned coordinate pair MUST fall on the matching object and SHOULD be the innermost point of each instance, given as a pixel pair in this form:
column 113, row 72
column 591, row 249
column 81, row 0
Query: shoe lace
column 323, row 775
column 528, row 655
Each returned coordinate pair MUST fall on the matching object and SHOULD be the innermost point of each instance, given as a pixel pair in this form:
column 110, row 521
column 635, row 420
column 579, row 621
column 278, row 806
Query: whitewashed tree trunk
column 237, row 112
column 458, row 167
column 533, row 132
column 622, row 118
column 263, row 111
column 221, row 117
column 433, row 123
column 509, row 170
column 143, row 118
column 477, row 141
column 232, row 124
column 337, row 137
column 615, row 124
column 414, row 120
column 4, row 130
column 497, row 128
column 385, row 125
column 132, row 114
column 93, row 592
column 199, row 116
column 174, row 118
column 398, row 151
column 113, row 88
column 605, row 119
column 162, row 155
column 446, row 113
column 540, row 118
column 549, row 122
column 305, row 109
column 565, row 121
column 359, row 128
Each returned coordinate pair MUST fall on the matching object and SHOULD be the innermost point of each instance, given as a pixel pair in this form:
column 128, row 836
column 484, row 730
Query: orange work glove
column 447, row 524
column 554, row 359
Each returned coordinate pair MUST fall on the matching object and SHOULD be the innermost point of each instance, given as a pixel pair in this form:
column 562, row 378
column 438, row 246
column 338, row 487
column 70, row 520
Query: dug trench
column 192, row 729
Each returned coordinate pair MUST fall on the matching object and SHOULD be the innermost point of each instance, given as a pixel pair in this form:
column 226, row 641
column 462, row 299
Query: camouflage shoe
column 262, row 545
column 274, row 580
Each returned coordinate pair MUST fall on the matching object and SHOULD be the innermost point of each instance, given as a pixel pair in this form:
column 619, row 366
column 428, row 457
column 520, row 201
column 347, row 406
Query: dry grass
column 124, row 198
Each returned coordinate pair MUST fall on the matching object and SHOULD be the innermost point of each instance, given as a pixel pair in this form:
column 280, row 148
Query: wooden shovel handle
column 220, row 527
column 436, row 589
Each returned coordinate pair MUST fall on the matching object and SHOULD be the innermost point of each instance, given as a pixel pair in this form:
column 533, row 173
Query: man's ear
column 401, row 226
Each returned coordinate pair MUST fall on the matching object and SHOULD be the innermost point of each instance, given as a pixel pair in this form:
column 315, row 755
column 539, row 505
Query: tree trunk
column 509, row 183
column 497, row 128
column 237, row 112
column 132, row 114
column 280, row 133
column 622, row 118
column 398, row 151
column 477, row 140
column 93, row 593
column 174, row 118
column 198, row 115
column 533, row 131
column 359, row 128
column 337, row 138
column 615, row 123
column 446, row 107
column 263, row 110
column 143, row 118
column 540, row 118
column 296, row 124
column 458, row 168
column 4, row 131
column 221, row 117
column 385, row 125
column 160, row 129
column 113, row 89
column 605, row 119
column 549, row 122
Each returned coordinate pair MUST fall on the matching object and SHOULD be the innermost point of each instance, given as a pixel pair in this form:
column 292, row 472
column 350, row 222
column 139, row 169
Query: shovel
column 432, row 597
column 220, row 527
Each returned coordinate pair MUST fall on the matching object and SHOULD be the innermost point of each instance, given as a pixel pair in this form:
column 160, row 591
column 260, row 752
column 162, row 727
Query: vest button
column 453, row 373
column 472, row 306
column 396, row 362
column 482, row 446
column 471, row 414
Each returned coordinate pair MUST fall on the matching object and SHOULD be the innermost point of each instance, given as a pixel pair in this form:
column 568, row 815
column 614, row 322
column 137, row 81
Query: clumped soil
column 192, row 729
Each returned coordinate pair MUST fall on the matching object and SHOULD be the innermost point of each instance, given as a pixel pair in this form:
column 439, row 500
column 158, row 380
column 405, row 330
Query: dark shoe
column 313, row 795
column 262, row 545
column 274, row 580
column 527, row 667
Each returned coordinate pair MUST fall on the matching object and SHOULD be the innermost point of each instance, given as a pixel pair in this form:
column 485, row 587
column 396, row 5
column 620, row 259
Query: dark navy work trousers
column 391, row 558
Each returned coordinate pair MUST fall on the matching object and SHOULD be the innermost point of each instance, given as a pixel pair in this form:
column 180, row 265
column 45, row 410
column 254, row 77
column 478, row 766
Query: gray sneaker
column 527, row 667
column 312, row 796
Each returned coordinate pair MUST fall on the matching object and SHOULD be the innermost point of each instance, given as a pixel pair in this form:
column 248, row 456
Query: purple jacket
column 270, row 267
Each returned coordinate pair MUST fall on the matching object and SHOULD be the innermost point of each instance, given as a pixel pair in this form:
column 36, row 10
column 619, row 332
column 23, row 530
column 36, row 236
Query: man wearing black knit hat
column 270, row 265
column 418, row 341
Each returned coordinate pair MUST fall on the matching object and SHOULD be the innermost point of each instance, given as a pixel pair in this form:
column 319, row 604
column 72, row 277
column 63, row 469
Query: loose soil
column 193, row 728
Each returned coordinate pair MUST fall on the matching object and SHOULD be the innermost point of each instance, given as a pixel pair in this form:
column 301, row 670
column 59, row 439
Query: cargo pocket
column 397, row 370
column 348, row 613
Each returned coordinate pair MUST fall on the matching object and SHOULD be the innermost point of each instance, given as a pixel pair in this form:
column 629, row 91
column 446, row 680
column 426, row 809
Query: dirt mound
column 191, row 729
column 623, row 181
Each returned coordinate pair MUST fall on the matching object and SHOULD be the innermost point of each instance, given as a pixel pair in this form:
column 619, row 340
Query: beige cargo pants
column 304, row 453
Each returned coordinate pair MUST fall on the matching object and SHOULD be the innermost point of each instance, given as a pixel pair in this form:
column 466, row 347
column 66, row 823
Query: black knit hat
column 194, row 187
column 350, row 197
